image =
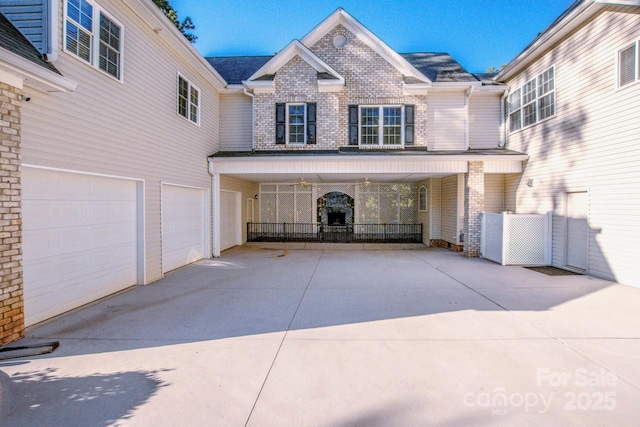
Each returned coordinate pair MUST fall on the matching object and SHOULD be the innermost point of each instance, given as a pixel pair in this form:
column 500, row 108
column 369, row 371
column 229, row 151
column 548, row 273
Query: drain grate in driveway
column 553, row 271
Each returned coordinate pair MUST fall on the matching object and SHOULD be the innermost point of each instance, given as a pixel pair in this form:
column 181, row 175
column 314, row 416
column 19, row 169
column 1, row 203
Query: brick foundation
column 438, row 243
column 11, row 295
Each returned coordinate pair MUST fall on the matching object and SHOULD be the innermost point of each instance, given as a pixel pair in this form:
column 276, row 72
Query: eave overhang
column 571, row 19
column 16, row 69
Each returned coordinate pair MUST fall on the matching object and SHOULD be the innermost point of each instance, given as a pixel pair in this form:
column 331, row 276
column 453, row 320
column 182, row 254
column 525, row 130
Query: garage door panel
column 79, row 242
column 183, row 226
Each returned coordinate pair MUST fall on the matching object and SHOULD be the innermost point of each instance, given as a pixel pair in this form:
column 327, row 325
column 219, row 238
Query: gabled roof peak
column 341, row 17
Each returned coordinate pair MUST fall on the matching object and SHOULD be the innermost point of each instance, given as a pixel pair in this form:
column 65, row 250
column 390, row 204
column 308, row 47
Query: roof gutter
column 575, row 16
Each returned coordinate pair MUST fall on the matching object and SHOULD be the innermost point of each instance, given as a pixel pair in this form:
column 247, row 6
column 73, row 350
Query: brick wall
column 473, row 207
column 11, row 301
column 369, row 79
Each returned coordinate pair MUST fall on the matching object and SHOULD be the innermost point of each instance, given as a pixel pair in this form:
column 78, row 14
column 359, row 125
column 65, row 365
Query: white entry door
column 184, row 218
column 80, row 240
column 230, row 219
column 577, row 229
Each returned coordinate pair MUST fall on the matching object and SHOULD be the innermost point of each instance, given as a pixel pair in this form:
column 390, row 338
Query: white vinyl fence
column 516, row 239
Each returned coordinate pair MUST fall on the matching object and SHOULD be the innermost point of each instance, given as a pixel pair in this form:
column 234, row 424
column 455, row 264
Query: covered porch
column 356, row 197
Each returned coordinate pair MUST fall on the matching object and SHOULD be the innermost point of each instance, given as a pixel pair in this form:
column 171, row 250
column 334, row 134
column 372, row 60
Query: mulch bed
column 553, row 271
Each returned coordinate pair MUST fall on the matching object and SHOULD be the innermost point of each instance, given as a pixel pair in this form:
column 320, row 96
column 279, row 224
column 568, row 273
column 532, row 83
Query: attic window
column 339, row 41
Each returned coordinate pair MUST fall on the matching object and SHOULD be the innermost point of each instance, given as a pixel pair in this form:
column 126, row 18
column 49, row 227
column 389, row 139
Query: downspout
column 253, row 119
column 503, row 121
column 466, row 133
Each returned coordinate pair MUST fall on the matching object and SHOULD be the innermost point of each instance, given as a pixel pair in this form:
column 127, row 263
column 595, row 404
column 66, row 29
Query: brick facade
column 369, row 79
column 11, row 294
column 473, row 207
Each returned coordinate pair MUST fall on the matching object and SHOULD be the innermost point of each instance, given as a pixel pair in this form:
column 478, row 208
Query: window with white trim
column 533, row 102
column 93, row 36
column 381, row 125
column 422, row 199
column 628, row 64
column 188, row 100
column 296, row 123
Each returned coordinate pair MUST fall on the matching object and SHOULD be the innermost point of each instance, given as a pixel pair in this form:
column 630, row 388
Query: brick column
column 473, row 206
column 11, row 299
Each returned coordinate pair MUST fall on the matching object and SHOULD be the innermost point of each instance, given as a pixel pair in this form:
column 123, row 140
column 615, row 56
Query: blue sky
column 478, row 33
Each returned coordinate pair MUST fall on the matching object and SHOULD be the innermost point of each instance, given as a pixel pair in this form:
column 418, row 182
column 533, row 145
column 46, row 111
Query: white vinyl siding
column 450, row 209
column 435, row 194
column 129, row 129
column 484, row 120
column 494, row 193
column 236, row 114
column 447, row 115
column 592, row 144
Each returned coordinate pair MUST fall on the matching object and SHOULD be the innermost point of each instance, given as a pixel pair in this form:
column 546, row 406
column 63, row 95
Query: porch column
column 215, row 214
column 11, row 285
column 473, row 207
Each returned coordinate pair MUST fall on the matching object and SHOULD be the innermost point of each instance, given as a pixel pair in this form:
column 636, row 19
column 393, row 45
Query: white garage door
column 183, row 226
column 79, row 241
column 229, row 219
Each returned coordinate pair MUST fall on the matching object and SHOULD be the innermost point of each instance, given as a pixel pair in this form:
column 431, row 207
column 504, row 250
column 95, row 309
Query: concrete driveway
column 338, row 337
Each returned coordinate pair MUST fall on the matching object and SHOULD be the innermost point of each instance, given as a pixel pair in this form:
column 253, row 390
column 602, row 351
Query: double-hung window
column 533, row 102
column 296, row 123
column 94, row 37
column 381, row 125
column 188, row 100
column 628, row 64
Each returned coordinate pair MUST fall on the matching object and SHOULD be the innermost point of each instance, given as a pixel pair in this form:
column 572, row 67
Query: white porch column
column 215, row 214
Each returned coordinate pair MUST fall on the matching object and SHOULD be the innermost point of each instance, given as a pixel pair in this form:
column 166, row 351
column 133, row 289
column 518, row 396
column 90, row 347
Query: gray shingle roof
column 439, row 67
column 13, row 40
column 235, row 69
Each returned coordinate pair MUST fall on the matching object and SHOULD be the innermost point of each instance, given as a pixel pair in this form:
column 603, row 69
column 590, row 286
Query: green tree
column 185, row 26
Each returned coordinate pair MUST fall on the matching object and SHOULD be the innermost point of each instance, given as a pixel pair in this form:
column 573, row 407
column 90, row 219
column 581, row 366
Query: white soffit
column 341, row 17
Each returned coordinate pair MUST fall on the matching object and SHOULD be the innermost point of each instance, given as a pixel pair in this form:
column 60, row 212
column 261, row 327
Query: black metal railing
column 350, row 233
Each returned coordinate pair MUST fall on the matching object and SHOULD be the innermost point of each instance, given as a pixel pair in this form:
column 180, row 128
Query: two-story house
column 125, row 154
column 574, row 108
column 112, row 113
column 337, row 131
